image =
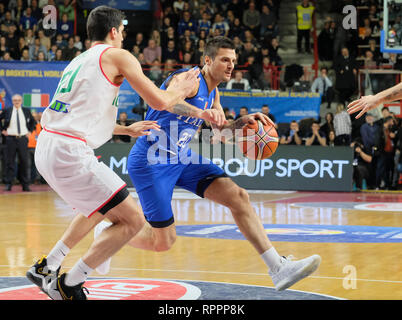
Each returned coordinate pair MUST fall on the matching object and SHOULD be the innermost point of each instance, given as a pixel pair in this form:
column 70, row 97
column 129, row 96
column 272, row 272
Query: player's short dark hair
column 214, row 44
column 101, row 20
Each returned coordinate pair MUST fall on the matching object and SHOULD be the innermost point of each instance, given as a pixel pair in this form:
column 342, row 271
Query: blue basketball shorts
column 154, row 184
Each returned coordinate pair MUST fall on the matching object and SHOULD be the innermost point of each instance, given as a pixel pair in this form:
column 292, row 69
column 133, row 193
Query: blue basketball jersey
column 176, row 131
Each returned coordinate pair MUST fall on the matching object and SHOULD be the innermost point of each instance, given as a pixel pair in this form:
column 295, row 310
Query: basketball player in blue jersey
column 155, row 167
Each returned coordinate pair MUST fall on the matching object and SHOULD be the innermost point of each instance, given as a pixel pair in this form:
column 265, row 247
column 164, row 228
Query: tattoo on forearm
column 395, row 94
column 183, row 110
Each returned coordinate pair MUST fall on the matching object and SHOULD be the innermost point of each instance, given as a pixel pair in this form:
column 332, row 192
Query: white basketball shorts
column 71, row 168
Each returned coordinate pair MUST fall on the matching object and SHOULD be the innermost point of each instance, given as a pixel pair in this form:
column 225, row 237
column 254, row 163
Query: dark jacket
column 5, row 118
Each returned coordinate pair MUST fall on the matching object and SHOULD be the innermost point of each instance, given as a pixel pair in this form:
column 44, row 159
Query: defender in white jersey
column 81, row 117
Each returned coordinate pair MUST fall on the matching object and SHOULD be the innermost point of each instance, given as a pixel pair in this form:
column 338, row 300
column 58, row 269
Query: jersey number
column 67, row 80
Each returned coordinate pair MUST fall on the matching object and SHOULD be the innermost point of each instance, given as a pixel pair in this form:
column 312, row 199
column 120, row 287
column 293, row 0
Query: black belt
column 16, row 137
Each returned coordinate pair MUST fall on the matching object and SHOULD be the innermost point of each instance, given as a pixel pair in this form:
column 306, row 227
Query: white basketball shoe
column 291, row 272
column 104, row 267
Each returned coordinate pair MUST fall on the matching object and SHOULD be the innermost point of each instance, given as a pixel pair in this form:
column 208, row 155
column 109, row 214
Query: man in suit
column 16, row 123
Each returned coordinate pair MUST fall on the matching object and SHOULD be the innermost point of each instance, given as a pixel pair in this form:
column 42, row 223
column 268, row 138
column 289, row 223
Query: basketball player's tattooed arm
column 370, row 102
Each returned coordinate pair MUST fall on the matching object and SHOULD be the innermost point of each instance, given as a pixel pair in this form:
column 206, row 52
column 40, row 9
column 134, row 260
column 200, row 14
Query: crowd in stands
column 178, row 40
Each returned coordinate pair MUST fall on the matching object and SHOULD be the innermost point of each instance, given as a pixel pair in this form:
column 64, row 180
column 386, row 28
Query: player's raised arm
column 128, row 66
column 370, row 102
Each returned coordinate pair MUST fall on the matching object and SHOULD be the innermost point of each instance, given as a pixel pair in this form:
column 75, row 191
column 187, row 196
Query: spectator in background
column 368, row 132
column 59, row 55
column 67, row 8
column 27, row 21
column 6, row 21
column 52, row 53
column 242, row 112
column 178, row 6
column 292, row 136
column 221, row 25
column 238, row 82
column 60, row 41
column 342, row 126
column 328, row 125
column 204, row 24
column 304, row 16
column 187, row 23
column 65, row 27
column 265, row 110
column 32, row 138
column 386, row 152
column 18, row 122
column 268, row 25
column 362, row 168
column 345, row 69
column 123, row 122
column 25, row 55
column 35, row 49
column 236, row 7
column 236, row 30
column 331, row 139
column 152, row 52
column 36, row 11
column 77, row 42
column 3, row 46
column 29, row 37
column 325, row 42
column 7, row 57
column 315, row 137
column 41, row 56
column 170, row 52
column 155, row 72
column 12, row 41
column 323, row 86
column 70, row 51
column 251, row 19
column 45, row 41
column 139, row 41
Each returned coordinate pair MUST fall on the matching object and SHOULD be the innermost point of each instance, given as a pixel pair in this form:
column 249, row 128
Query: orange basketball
column 257, row 141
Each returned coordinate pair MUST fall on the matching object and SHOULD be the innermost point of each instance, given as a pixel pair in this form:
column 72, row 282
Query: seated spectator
column 27, row 21
column 59, row 55
column 3, row 46
column 199, row 52
column 221, row 25
column 60, row 41
column 268, row 25
column 362, row 167
column 36, row 11
column 251, row 19
column 187, row 23
column 342, row 126
column 25, row 55
column 242, row 112
column 70, row 51
column 170, row 52
column 254, row 72
column 204, row 24
column 139, row 41
column 187, row 61
column 7, row 57
column 266, row 111
column 178, row 6
column 77, row 42
column 325, row 42
column 152, row 52
column 52, row 53
column 67, row 8
column 186, row 48
column 292, row 136
column 45, row 41
column 237, row 29
column 248, row 50
column 268, row 72
column 238, row 82
column 123, row 122
column 34, row 50
column 273, row 50
column 12, row 41
column 41, row 56
column 6, row 21
column 168, row 68
column 331, row 139
column 315, row 137
column 65, row 27
column 323, row 86
column 29, row 37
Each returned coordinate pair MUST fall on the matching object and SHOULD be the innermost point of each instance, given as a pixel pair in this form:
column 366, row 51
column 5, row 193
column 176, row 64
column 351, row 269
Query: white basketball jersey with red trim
column 85, row 102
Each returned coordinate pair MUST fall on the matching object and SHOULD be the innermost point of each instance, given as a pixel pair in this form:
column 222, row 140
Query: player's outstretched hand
column 185, row 82
column 363, row 105
column 215, row 116
column 141, row 128
column 252, row 118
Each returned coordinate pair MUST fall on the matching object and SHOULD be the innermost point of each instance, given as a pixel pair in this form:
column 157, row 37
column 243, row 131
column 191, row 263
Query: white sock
column 272, row 259
column 57, row 255
column 79, row 273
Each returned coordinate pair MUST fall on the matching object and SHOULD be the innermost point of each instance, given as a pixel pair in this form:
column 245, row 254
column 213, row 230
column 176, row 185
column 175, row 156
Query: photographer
column 385, row 146
column 362, row 165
